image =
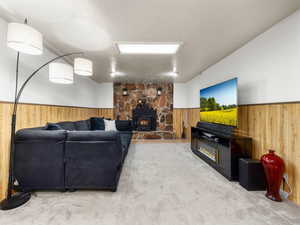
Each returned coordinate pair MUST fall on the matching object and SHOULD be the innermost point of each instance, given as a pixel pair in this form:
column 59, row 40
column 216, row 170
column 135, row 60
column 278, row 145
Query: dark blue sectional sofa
column 73, row 157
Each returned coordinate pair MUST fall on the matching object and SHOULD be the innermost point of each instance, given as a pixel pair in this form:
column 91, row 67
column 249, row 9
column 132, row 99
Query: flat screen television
column 218, row 103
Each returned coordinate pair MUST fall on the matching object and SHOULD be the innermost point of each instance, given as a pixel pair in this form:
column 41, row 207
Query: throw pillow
column 110, row 125
column 124, row 125
column 53, row 126
column 83, row 125
column 97, row 123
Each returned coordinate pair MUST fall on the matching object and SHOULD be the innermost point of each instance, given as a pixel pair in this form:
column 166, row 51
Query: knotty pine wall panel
column 276, row 127
column 33, row 115
column 183, row 120
column 106, row 113
column 271, row 126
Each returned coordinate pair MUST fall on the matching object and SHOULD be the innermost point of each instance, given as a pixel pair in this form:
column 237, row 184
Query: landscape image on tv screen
column 218, row 103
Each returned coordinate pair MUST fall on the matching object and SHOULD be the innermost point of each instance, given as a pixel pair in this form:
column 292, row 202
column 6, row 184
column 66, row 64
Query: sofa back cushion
column 83, row 125
column 97, row 123
column 67, row 125
column 124, row 125
column 53, row 126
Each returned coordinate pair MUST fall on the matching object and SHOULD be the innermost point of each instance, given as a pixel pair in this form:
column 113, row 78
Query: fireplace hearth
column 144, row 117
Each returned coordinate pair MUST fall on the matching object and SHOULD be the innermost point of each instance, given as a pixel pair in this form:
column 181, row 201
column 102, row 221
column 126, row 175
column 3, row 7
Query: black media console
column 220, row 148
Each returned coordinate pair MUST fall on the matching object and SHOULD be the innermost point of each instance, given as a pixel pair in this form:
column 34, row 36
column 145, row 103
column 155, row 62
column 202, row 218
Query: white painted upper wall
column 268, row 67
column 268, row 70
column 106, row 95
column 84, row 92
column 180, row 95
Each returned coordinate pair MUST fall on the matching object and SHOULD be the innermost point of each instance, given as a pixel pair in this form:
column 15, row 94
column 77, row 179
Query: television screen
column 218, row 103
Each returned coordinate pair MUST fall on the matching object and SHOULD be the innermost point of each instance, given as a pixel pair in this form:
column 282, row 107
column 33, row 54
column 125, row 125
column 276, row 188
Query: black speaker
column 251, row 175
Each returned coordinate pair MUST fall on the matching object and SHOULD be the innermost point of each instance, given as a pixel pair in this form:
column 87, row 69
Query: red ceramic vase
column 274, row 169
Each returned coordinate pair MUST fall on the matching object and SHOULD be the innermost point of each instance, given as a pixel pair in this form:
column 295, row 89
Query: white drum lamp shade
column 83, row 67
column 61, row 73
column 24, row 39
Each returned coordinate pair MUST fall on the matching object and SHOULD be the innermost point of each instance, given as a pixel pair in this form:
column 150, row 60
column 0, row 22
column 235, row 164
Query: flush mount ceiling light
column 23, row 38
column 148, row 48
column 83, row 67
column 61, row 73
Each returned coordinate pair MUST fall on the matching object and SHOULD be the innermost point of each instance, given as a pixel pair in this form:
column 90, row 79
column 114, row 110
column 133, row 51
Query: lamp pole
column 13, row 201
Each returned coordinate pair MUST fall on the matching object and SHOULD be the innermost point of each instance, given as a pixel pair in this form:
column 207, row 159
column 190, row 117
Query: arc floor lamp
column 25, row 39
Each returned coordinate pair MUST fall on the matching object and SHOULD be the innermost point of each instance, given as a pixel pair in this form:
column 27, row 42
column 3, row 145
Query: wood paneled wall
column 272, row 126
column 277, row 127
column 32, row 115
column 183, row 120
column 106, row 113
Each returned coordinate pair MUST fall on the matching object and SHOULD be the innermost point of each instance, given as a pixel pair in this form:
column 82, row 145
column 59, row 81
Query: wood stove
column 144, row 117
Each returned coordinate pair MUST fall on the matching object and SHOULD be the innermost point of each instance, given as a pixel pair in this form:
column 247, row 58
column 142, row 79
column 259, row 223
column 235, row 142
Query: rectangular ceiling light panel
column 148, row 48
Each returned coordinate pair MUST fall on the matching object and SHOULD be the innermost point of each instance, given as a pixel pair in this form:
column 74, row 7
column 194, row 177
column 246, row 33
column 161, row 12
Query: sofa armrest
column 39, row 159
column 40, row 134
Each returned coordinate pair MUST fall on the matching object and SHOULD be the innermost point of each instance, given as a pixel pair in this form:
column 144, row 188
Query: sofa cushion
column 125, row 141
column 83, row 125
column 124, row 125
column 67, row 125
column 110, row 125
column 97, row 123
column 30, row 134
column 92, row 136
column 53, row 126
column 125, row 138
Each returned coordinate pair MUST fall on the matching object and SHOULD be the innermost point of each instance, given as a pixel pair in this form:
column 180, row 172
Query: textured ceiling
column 209, row 29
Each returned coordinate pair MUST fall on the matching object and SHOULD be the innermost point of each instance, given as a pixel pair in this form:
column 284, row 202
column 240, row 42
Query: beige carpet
column 161, row 184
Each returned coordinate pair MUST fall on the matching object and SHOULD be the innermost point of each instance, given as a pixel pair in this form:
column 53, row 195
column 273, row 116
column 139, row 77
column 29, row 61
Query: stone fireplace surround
column 144, row 117
column 146, row 92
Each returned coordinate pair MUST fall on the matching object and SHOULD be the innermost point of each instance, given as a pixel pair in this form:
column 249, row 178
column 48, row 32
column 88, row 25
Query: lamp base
column 15, row 201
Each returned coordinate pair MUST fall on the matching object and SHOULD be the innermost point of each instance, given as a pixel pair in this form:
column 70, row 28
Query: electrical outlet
column 284, row 194
column 286, row 177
